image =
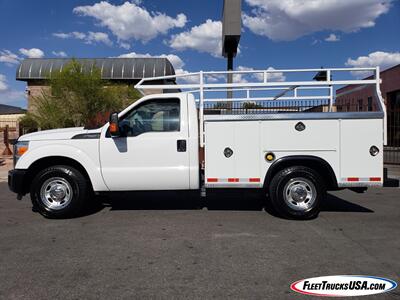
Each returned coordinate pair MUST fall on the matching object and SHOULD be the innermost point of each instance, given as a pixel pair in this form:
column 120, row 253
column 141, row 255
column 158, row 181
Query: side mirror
column 114, row 125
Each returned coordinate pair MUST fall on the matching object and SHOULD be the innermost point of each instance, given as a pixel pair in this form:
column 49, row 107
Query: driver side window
column 158, row 115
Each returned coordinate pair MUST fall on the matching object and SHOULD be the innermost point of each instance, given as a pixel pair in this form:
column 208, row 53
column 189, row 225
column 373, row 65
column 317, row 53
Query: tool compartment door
column 358, row 166
column 232, row 154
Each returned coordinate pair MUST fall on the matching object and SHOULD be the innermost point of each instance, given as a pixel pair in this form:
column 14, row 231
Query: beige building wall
column 35, row 91
column 11, row 120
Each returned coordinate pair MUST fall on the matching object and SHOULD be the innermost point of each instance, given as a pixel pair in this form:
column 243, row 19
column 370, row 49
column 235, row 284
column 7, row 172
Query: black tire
column 73, row 183
column 300, row 182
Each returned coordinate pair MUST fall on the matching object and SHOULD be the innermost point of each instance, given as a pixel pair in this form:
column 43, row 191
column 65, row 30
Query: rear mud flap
column 389, row 182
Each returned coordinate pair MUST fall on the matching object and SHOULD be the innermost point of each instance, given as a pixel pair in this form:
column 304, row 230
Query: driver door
column 152, row 154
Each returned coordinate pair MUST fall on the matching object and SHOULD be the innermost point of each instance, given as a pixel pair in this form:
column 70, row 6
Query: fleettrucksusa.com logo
column 343, row 286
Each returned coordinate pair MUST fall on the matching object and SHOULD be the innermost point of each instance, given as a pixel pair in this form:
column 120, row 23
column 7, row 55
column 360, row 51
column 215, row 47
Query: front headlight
column 19, row 149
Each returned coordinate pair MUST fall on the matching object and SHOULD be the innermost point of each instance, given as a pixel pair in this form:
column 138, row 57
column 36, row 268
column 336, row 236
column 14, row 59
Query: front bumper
column 16, row 181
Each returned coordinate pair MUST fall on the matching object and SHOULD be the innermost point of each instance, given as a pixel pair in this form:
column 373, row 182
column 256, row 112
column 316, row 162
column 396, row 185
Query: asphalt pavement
column 168, row 246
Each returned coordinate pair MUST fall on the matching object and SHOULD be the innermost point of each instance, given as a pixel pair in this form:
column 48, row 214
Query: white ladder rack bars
column 201, row 86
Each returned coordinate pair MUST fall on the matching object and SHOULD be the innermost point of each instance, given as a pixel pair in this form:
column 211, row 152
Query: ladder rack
column 262, row 88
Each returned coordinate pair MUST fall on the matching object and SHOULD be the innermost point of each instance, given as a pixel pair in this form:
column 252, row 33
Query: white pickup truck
column 285, row 137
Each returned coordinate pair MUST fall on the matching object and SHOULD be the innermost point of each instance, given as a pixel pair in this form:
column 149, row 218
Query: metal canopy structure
column 133, row 69
column 295, row 90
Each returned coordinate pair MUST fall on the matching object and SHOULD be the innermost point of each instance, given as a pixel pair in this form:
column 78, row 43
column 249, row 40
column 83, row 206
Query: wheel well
column 46, row 162
column 318, row 164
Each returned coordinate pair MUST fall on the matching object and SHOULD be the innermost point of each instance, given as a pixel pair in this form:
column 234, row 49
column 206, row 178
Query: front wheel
column 296, row 192
column 59, row 192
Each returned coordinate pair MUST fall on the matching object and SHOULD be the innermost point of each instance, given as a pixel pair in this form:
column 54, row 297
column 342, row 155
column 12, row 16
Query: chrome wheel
column 56, row 193
column 300, row 194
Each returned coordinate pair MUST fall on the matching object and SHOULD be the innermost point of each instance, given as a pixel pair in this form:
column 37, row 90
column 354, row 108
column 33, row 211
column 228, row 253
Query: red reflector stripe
column 212, row 179
column 353, row 179
column 374, row 179
column 233, row 180
column 254, row 179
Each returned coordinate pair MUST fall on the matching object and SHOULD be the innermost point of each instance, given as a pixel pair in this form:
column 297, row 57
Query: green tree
column 77, row 98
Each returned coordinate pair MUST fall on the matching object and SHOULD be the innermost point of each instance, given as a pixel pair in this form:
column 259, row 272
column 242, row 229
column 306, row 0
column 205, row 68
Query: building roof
column 358, row 87
column 111, row 68
column 11, row 110
column 391, row 69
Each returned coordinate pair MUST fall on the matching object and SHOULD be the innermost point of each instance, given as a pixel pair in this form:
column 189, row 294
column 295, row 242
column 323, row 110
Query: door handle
column 181, row 146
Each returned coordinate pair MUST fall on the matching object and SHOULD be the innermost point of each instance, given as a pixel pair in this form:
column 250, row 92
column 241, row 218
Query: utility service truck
column 274, row 130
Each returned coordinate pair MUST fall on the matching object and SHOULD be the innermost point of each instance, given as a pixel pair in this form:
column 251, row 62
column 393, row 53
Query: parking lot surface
column 171, row 246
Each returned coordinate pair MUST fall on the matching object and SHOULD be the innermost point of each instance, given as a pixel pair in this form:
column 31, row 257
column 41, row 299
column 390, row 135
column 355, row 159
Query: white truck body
column 169, row 159
column 343, row 144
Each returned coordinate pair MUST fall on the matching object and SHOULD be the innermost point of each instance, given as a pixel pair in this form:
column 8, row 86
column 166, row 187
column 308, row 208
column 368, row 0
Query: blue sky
column 276, row 33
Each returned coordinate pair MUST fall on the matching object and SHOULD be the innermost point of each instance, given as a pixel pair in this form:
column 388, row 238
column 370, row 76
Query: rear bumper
column 16, row 179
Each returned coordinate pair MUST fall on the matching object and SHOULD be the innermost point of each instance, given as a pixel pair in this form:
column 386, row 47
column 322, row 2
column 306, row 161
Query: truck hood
column 56, row 134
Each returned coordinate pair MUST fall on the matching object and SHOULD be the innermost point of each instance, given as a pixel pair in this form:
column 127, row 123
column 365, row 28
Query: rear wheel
column 59, row 192
column 296, row 192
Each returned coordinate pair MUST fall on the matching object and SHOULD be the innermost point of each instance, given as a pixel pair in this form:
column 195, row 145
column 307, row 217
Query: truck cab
column 155, row 146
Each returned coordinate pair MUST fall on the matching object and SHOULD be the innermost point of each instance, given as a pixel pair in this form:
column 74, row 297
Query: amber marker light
column 22, row 150
column 269, row 156
column 113, row 128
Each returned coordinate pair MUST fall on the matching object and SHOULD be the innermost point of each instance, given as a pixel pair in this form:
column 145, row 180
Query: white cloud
column 277, row 76
column 332, row 38
column 315, row 41
column 75, row 35
column 187, row 79
column 130, row 20
column 176, row 61
column 242, row 78
column 59, row 53
column 89, row 38
column 79, row 35
column 62, row 35
column 10, row 96
column 382, row 59
column 9, row 58
column 13, row 97
column 98, row 37
column 3, row 84
column 125, row 46
column 378, row 58
column 32, row 53
column 206, row 37
column 285, row 20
